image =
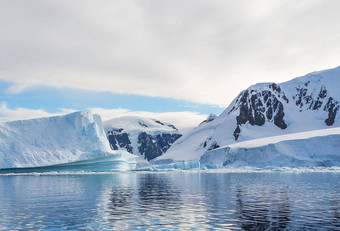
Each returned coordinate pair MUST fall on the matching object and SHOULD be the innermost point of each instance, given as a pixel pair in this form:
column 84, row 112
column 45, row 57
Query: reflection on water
column 119, row 204
column 263, row 211
column 192, row 201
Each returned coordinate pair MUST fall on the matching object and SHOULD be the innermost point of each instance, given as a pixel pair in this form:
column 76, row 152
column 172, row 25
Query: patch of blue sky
column 52, row 99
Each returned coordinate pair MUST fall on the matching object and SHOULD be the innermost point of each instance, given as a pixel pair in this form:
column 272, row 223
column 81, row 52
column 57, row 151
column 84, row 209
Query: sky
column 173, row 60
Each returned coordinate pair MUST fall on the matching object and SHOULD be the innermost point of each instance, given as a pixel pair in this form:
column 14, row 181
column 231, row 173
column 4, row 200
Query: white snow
column 194, row 144
column 54, row 140
column 313, row 148
column 294, row 136
column 134, row 125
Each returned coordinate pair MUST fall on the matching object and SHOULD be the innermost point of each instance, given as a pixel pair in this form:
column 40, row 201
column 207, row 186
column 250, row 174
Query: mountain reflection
column 119, row 203
column 261, row 211
column 158, row 192
column 335, row 205
column 171, row 201
column 148, row 201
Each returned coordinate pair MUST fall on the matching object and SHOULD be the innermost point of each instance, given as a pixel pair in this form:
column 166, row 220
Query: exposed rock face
column 213, row 146
column 332, row 107
column 302, row 104
column 303, row 99
column 141, row 136
column 154, row 146
column 267, row 104
column 258, row 106
column 119, row 139
column 306, row 100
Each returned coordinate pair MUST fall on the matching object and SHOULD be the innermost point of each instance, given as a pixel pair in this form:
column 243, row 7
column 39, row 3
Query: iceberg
column 74, row 141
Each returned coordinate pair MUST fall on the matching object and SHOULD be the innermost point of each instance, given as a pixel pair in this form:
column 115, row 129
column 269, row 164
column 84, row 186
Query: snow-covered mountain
column 306, row 103
column 53, row 140
column 140, row 136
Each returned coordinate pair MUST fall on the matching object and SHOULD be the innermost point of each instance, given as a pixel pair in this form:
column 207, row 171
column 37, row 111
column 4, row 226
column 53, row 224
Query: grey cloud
column 202, row 51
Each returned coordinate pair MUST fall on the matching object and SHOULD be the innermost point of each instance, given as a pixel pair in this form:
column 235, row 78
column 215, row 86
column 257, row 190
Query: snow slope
column 313, row 148
column 140, row 136
column 53, row 140
column 306, row 103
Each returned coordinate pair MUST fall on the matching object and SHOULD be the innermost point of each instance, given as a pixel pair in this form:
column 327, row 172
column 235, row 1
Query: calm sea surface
column 171, row 201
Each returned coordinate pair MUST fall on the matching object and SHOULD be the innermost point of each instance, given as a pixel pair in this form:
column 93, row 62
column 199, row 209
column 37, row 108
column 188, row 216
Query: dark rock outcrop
column 154, row 146
column 146, row 140
column 119, row 139
column 303, row 99
column 213, row 146
column 258, row 106
column 332, row 107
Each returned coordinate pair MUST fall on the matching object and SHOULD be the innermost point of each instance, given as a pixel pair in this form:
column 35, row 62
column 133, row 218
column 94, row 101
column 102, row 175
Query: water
column 166, row 201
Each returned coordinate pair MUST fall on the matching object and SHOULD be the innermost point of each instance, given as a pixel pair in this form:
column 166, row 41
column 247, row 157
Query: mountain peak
column 140, row 136
column 267, row 109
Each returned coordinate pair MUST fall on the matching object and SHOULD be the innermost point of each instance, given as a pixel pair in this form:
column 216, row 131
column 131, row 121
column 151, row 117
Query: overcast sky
column 204, row 52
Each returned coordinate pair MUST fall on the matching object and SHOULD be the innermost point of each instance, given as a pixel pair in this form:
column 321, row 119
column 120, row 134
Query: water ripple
column 171, row 201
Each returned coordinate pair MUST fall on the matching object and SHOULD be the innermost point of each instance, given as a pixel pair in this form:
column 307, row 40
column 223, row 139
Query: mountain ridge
column 304, row 103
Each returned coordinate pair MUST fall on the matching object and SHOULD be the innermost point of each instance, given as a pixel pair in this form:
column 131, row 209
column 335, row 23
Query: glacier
column 318, row 148
column 70, row 141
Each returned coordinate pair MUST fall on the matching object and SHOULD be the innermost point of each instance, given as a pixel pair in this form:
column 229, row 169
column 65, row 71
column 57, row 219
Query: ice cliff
column 54, row 140
column 318, row 148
